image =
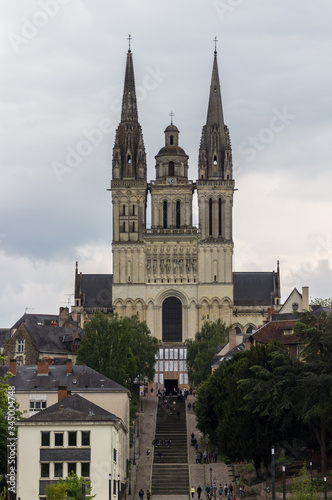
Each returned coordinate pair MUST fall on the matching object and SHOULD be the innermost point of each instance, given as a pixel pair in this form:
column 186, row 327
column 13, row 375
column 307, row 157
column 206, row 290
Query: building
column 73, row 435
column 36, row 387
column 175, row 275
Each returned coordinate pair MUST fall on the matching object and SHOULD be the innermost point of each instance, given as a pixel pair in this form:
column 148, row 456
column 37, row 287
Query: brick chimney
column 43, row 366
column 62, row 392
column 232, row 338
column 13, row 366
column 69, row 367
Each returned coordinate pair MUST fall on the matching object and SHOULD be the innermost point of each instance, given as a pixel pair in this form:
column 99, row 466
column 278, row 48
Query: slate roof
column 82, row 378
column 219, row 359
column 253, row 289
column 4, row 335
column 73, row 408
column 36, row 319
column 274, row 331
column 97, row 290
column 52, row 339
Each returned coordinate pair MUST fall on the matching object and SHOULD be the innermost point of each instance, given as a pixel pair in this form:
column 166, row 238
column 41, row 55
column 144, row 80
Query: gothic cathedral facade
column 174, row 275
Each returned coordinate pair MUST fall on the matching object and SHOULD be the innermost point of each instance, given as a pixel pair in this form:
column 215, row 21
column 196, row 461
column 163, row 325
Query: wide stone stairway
column 170, row 471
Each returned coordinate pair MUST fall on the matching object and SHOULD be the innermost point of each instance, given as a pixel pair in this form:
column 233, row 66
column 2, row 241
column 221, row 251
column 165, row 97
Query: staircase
column 170, row 476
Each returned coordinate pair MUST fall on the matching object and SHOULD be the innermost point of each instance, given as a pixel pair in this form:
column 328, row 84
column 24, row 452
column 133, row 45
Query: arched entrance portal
column 172, row 320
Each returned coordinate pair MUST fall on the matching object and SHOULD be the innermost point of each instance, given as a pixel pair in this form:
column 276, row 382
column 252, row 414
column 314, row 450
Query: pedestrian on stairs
column 199, row 492
column 148, row 494
column 141, row 494
column 192, row 492
column 148, row 453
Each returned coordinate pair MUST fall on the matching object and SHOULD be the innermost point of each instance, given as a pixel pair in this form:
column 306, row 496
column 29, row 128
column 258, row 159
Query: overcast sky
column 62, row 72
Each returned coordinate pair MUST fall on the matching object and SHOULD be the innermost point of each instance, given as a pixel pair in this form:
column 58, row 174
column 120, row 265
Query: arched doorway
column 172, row 320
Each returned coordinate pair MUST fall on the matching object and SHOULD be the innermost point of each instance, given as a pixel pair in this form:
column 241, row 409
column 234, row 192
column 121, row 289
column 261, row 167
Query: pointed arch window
column 129, row 159
column 123, row 209
column 165, row 214
column 171, row 168
column 210, row 217
column 215, row 161
column 133, row 209
column 220, row 216
column 178, row 214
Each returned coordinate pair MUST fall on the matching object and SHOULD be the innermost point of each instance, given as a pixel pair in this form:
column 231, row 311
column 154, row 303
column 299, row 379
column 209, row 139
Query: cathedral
column 175, row 275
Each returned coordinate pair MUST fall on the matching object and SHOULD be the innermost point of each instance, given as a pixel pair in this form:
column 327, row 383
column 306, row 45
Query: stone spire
column 215, row 148
column 129, row 158
column 129, row 103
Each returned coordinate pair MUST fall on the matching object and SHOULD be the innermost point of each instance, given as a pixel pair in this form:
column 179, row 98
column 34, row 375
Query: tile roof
column 275, row 331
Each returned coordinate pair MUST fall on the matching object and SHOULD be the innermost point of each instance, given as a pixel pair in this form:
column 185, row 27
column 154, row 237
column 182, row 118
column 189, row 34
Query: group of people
column 141, row 494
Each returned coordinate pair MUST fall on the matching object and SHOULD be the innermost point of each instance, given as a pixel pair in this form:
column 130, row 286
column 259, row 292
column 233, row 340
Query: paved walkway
column 141, row 473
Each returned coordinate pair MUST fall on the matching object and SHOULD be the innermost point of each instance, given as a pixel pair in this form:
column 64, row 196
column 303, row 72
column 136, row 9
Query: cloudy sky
column 62, row 71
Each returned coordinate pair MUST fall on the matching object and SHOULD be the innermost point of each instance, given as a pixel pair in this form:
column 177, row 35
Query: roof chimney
column 305, row 298
column 232, row 338
column 62, row 392
column 13, row 366
column 64, row 317
column 43, row 367
column 69, row 367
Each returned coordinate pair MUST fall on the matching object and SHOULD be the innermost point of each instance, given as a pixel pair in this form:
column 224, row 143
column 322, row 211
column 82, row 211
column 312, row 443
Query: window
column 20, row 345
column 58, row 470
column 219, row 215
column 45, row 438
column 123, row 209
column 171, row 321
column 133, row 209
column 114, row 486
column 72, row 438
column 288, row 332
column 85, row 438
column 178, row 215
column 210, row 217
column 124, row 227
column 44, row 470
column 171, row 168
column 85, row 469
column 114, row 454
column 58, row 439
column 171, row 141
column 37, row 405
column 165, row 215
column 72, row 467
column 133, row 227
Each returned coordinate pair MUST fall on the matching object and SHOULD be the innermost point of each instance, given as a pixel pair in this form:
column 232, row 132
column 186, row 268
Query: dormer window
column 288, row 332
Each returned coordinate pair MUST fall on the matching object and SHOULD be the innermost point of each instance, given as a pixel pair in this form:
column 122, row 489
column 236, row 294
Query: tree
column 327, row 302
column 70, row 488
column 201, row 350
column 237, row 431
column 119, row 348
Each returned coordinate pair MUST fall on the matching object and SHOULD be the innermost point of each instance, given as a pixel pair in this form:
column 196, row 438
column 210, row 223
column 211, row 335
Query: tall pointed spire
column 129, row 103
column 129, row 158
column 215, row 148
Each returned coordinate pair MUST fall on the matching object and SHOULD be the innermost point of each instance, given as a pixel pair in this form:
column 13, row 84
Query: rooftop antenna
column 69, row 295
column 28, row 309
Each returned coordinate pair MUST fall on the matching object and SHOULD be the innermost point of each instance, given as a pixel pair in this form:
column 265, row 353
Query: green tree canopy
column 69, row 489
column 201, row 350
column 122, row 349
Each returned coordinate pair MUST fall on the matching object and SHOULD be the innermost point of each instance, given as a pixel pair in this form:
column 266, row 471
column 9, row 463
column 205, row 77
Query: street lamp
column 284, row 482
column 273, row 474
column 325, row 491
column 311, row 470
column 211, row 477
column 118, row 485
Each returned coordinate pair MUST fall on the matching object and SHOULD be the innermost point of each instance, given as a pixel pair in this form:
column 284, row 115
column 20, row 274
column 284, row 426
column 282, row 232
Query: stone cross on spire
column 215, row 44
column 171, row 115
column 129, row 39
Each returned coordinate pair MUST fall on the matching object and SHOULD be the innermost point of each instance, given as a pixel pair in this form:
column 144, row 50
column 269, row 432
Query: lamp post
column 325, row 490
column 109, row 486
column 284, row 482
column 134, row 458
column 273, row 474
column 211, row 477
column 311, row 471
